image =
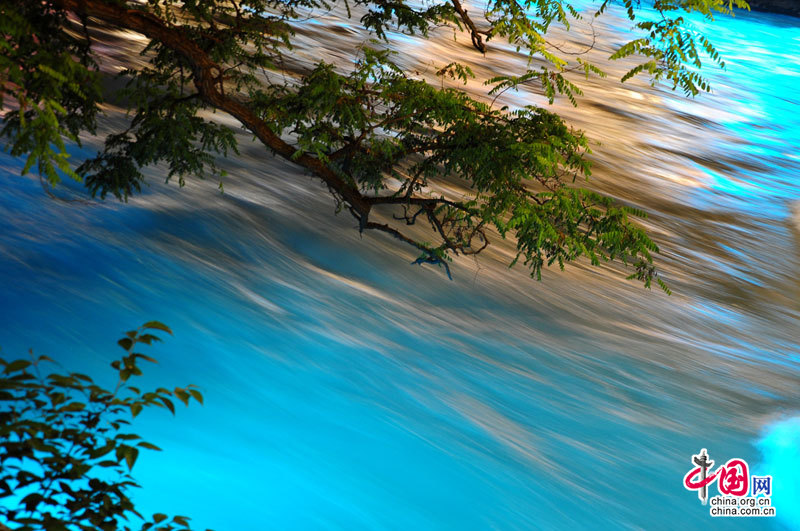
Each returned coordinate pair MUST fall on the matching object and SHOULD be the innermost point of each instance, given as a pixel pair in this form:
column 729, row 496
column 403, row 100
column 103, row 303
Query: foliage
column 361, row 131
column 65, row 459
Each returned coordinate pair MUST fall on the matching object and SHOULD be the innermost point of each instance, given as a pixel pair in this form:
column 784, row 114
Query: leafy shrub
column 65, row 454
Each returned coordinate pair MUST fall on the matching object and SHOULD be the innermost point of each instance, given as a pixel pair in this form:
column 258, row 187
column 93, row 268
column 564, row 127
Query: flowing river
column 348, row 389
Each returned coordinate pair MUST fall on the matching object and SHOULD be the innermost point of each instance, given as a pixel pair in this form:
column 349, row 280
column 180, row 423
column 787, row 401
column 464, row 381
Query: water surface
column 347, row 389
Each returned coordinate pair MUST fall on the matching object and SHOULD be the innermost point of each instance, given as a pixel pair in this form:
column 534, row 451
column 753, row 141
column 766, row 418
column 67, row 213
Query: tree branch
column 207, row 79
column 477, row 39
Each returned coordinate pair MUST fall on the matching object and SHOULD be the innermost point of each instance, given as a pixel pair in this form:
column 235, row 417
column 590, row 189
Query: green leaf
column 32, row 501
column 73, row 406
column 131, row 454
column 197, row 395
column 168, row 404
column 156, row 325
column 16, row 366
column 126, row 343
column 182, row 395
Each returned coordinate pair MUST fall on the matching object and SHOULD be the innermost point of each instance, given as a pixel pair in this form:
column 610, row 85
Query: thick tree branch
column 207, row 79
column 420, row 201
column 477, row 39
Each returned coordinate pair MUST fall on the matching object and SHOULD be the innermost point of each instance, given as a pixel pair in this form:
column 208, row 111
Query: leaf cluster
column 50, row 81
column 65, row 454
column 380, row 138
column 672, row 47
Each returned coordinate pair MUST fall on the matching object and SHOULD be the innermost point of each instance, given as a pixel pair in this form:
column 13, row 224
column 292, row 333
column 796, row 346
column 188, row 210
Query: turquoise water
column 347, row 389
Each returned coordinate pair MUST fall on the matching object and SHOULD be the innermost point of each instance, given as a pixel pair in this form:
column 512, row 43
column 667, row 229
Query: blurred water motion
column 347, row 389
